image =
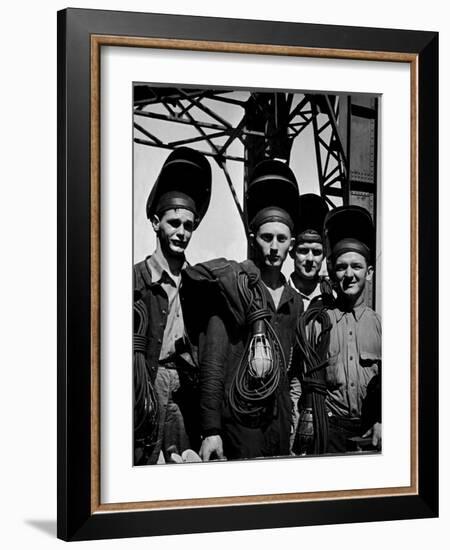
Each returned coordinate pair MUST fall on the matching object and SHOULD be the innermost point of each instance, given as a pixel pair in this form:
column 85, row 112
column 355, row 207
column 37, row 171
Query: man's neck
column 274, row 281
column 349, row 304
column 272, row 277
column 305, row 286
column 174, row 263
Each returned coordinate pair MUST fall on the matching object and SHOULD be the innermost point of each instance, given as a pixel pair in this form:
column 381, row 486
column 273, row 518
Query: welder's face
column 272, row 242
column 351, row 271
column 174, row 229
column 308, row 257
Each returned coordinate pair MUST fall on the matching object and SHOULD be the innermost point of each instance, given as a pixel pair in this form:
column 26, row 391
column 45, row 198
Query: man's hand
column 375, row 434
column 212, row 447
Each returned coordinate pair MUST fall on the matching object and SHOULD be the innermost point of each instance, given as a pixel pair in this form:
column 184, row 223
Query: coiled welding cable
column 145, row 403
column 313, row 339
column 248, row 396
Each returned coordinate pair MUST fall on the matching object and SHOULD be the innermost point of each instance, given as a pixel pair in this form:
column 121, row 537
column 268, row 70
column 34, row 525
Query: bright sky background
column 221, row 233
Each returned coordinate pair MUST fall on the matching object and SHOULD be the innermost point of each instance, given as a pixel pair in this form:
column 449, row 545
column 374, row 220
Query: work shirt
column 168, row 356
column 354, row 359
column 156, row 301
column 174, row 327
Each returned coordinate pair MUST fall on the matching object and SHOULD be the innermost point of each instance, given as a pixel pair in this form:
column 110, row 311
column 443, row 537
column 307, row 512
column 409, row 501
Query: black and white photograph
column 256, row 246
column 229, row 218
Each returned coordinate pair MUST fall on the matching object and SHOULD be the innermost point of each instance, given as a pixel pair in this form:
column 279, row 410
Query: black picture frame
column 79, row 517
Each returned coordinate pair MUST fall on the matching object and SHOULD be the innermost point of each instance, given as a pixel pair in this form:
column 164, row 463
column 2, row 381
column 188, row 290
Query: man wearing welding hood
column 353, row 374
column 246, row 348
column 164, row 360
column 308, row 252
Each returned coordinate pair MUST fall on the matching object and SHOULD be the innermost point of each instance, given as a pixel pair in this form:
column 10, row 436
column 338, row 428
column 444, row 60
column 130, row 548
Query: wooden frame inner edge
column 110, row 40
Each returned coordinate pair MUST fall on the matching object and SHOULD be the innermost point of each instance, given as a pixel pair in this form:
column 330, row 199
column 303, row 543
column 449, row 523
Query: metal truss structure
column 256, row 125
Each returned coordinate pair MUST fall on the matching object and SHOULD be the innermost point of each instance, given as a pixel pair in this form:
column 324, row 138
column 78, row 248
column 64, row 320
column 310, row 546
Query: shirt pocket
column 370, row 359
column 369, row 346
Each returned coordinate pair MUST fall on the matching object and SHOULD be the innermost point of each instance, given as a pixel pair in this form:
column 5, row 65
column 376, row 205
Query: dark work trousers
column 339, row 430
column 269, row 438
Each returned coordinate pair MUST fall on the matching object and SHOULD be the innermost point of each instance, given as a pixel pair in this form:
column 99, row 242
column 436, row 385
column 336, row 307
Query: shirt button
column 159, row 341
column 352, row 385
column 164, row 311
column 351, row 357
column 350, row 333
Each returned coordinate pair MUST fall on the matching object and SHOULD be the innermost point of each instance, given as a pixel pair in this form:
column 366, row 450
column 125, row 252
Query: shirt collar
column 159, row 269
column 309, row 297
column 358, row 312
column 287, row 295
column 292, row 285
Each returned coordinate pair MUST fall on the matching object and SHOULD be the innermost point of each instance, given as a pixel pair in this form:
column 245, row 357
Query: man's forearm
column 212, row 357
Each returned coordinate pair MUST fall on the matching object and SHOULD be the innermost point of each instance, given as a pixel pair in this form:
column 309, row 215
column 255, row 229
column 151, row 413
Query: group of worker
column 233, row 361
